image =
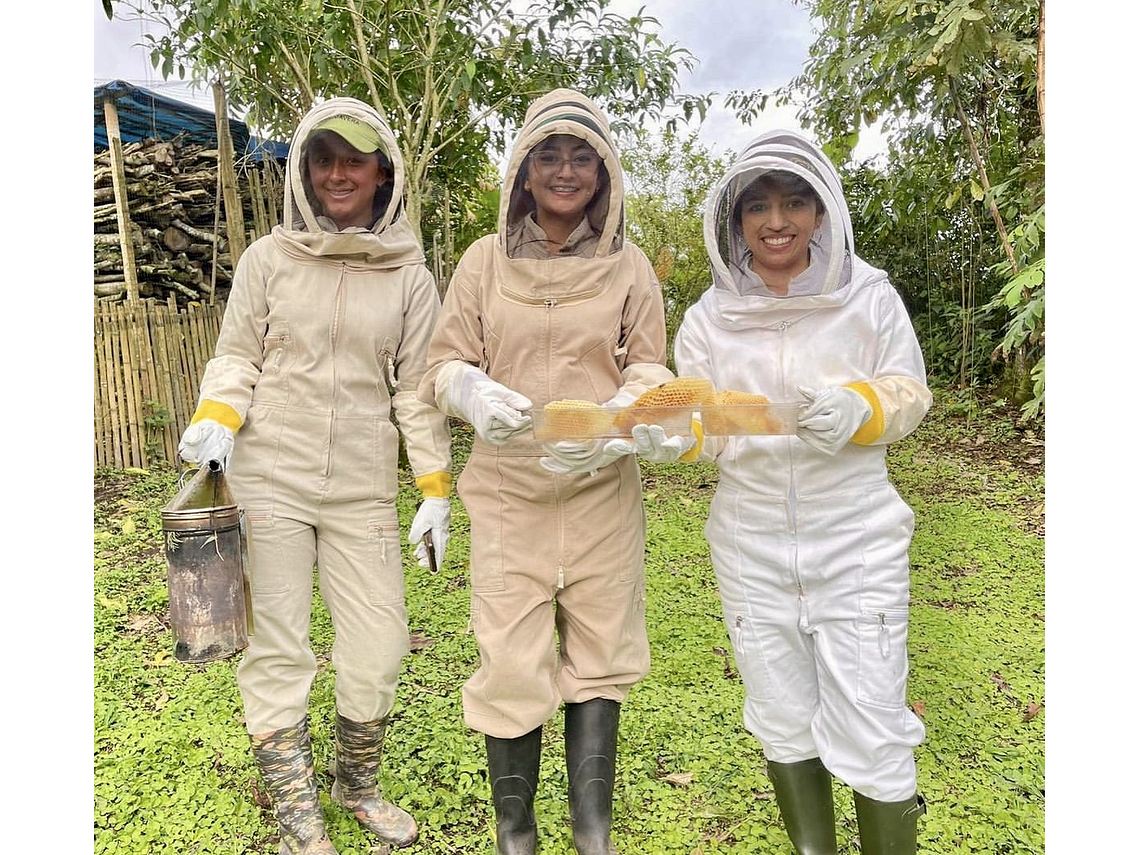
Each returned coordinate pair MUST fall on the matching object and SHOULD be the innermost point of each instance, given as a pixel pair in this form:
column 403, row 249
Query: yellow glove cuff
column 872, row 429
column 221, row 413
column 692, row 454
column 435, row 485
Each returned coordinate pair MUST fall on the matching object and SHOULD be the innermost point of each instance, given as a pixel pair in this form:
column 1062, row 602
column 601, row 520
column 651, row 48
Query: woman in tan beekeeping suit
column 556, row 305
column 325, row 333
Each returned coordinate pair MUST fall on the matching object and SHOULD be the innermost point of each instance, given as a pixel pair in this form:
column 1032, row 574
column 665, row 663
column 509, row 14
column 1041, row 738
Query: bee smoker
column 206, row 568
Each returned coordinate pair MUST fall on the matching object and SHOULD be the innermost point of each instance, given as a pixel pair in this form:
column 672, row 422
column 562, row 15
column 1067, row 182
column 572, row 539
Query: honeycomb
column 569, row 418
column 678, row 392
column 730, row 412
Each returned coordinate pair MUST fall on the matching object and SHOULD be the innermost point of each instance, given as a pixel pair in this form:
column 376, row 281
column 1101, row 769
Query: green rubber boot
column 513, row 768
column 803, row 793
column 358, row 751
column 285, row 759
column 591, row 762
column 888, row 828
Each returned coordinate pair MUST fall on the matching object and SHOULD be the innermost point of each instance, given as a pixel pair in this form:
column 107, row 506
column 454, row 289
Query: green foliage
column 453, row 78
column 156, row 418
column 937, row 257
column 668, row 179
column 954, row 85
column 173, row 772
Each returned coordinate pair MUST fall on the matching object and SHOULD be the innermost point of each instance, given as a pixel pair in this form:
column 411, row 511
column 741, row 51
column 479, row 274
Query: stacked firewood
column 178, row 229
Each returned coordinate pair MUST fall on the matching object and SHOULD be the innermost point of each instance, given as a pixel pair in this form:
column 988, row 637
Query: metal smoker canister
column 210, row 609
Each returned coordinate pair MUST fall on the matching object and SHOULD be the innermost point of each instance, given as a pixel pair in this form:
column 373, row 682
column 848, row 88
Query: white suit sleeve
column 897, row 391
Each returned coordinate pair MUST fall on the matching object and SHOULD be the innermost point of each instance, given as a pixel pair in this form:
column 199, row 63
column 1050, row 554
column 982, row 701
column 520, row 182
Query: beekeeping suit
column 324, row 336
column 811, row 547
column 586, row 323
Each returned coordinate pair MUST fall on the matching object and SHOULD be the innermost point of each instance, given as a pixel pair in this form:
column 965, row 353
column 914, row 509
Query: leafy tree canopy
column 958, row 87
column 454, row 77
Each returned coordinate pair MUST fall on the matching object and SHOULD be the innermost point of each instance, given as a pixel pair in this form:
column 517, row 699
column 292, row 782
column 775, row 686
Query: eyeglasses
column 550, row 161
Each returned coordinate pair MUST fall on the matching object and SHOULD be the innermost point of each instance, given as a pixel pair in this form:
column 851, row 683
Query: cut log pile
column 177, row 226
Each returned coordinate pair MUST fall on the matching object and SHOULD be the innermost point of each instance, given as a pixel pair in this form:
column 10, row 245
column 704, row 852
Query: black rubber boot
column 285, row 759
column 803, row 792
column 513, row 766
column 591, row 761
column 888, row 828
column 358, row 749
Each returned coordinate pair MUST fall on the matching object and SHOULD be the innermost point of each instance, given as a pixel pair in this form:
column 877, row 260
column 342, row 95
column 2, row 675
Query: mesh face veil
column 781, row 151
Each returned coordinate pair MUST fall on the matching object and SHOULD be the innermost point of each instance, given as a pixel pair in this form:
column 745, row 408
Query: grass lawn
column 173, row 771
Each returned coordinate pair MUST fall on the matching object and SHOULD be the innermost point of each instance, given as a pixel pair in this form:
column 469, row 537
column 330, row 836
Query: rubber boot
column 591, row 760
column 513, row 767
column 803, row 793
column 285, row 758
column 888, row 828
column 358, row 751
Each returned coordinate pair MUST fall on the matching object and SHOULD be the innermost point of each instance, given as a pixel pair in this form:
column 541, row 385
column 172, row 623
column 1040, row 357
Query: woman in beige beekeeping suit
column 556, row 305
column 325, row 333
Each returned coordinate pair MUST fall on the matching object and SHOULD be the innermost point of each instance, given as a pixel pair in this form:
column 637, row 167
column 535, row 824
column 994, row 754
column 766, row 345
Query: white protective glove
column 206, row 440
column 651, row 444
column 569, row 457
column 496, row 412
column 832, row 417
column 434, row 515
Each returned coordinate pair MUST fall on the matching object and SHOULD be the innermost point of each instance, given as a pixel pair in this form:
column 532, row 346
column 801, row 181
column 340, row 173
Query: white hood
column 827, row 280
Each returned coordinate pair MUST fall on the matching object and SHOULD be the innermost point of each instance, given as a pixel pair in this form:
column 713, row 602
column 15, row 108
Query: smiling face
column 562, row 176
column 779, row 213
column 343, row 180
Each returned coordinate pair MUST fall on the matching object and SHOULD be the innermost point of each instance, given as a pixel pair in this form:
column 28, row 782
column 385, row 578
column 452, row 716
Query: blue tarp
column 147, row 115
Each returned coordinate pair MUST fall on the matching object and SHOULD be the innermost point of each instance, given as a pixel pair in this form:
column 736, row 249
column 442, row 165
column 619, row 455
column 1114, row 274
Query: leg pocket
column 385, row 577
column 486, row 514
column 750, row 659
column 267, row 570
column 882, row 658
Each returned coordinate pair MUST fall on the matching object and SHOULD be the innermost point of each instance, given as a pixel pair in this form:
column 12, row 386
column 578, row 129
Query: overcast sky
column 762, row 47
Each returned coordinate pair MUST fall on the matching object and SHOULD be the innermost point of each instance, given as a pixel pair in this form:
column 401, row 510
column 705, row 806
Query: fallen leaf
column 1031, row 710
column 418, row 641
column 1006, row 689
column 143, row 623
column 680, row 779
column 128, row 526
column 919, row 708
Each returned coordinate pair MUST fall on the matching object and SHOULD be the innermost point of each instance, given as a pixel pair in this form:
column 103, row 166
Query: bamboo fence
column 149, row 358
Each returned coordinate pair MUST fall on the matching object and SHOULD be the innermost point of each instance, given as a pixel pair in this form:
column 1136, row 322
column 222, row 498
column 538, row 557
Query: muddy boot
column 591, row 761
column 358, row 750
column 803, row 793
column 285, row 758
column 888, row 828
column 513, row 767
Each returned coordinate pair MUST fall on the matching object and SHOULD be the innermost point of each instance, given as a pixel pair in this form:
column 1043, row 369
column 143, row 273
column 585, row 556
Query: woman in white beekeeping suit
column 325, row 335
column 809, row 539
column 556, row 305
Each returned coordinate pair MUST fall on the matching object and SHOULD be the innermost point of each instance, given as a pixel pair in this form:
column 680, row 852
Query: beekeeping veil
column 832, row 245
column 564, row 111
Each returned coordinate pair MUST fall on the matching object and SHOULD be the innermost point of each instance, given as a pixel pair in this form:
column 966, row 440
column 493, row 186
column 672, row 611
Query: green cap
column 356, row 132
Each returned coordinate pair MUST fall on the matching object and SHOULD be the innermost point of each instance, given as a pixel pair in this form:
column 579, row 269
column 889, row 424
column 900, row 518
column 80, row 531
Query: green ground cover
column 172, row 768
